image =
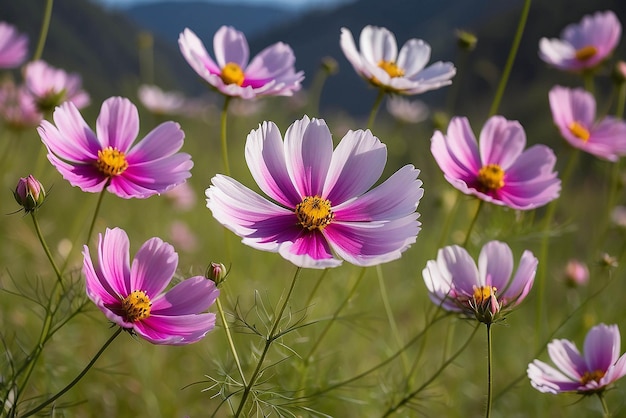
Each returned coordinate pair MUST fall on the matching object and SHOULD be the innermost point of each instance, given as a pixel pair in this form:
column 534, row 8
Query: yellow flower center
column 314, row 213
column 232, row 74
column 579, row 131
column 586, row 52
column 111, row 161
column 589, row 376
column 491, row 177
column 483, row 293
column 136, row 306
column 391, row 68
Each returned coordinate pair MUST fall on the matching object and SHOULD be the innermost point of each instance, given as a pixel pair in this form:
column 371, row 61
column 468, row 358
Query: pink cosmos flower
column 108, row 159
column 322, row 200
column 52, row 86
column 598, row 366
column 405, row 110
column 456, row 284
column 270, row 73
column 576, row 273
column 584, row 45
column 574, row 113
column 13, row 46
column 380, row 63
column 496, row 170
column 161, row 102
column 18, row 109
column 132, row 295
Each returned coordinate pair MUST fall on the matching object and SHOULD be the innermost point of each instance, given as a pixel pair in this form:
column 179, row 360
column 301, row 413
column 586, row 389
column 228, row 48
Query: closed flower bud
column 217, row 273
column 619, row 72
column 29, row 193
column 466, row 40
column 576, row 273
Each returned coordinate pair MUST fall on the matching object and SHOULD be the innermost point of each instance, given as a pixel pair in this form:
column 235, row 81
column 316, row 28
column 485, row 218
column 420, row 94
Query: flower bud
column 217, row 273
column 330, row 65
column 576, row 273
column 466, row 40
column 619, row 72
column 29, row 193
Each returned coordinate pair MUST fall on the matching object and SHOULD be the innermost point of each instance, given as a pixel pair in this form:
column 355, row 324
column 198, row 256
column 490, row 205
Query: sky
column 288, row 4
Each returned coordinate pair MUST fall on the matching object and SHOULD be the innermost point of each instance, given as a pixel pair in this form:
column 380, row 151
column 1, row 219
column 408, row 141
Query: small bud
column 608, row 261
column 466, row 40
column 217, row 273
column 576, row 273
column 330, row 65
column 619, row 72
column 29, row 193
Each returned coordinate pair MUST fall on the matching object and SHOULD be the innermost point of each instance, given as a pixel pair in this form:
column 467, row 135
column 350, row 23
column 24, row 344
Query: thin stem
column 45, row 247
column 80, row 376
column 589, row 82
column 229, row 337
column 223, row 120
column 95, row 213
column 511, row 59
column 268, row 342
column 390, row 318
column 621, row 98
column 375, row 107
column 449, row 219
column 43, row 34
column 489, row 375
column 605, row 409
column 473, row 222
column 314, row 290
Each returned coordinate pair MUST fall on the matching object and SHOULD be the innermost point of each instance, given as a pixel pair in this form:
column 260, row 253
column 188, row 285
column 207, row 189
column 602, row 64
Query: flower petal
column 567, row 358
column 501, row 141
column 118, row 123
column 230, row 45
column 413, row 56
column 163, row 141
column 153, row 267
column 522, row 282
column 547, row 379
column 457, row 152
column 308, row 250
column 191, row 296
column 495, row 265
column 175, row 330
column 602, row 346
column 113, row 260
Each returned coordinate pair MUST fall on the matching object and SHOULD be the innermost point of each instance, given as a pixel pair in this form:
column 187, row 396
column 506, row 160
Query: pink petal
column 191, row 296
column 457, row 153
column 113, row 260
column 602, row 345
column 566, row 357
column 153, row 267
column 118, row 123
column 163, row 141
column 501, row 142
column 547, row 379
column 175, row 330
column 523, row 280
column 308, row 250
column 230, row 45
column 495, row 265
column 85, row 176
column 197, row 56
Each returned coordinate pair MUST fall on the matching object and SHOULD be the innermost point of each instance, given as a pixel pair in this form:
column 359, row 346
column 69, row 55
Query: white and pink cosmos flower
column 403, row 72
column 13, row 46
column 322, row 202
column 133, row 296
column 583, row 45
column 497, row 170
column 270, row 73
column 484, row 292
column 52, row 86
column 592, row 371
column 574, row 113
column 161, row 102
column 109, row 158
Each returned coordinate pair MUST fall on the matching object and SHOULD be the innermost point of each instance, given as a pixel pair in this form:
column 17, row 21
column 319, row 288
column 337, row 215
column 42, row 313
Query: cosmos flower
column 485, row 291
column 13, row 46
column 405, row 110
column 108, row 158
column 133, row 295
column 18, row 109
column 52, row 86
column 270, row 73
column 598, row 366
column 160, row 102
column 380, row 63
column 497, row 170
column 321, row 199
column 574, row 113
column 584, row 45
column 576, row 273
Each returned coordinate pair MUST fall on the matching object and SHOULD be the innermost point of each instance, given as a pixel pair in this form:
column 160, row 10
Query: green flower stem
column 489, row 374
column 411, row 395
column 589, row 82
column 223, row 120
column 229, row 337
column 76, row 380
column 473, row 222
column 43, row 34
column 314, row 290
column 511, row 59
column 95, row 213
column 390, row 318
column 540, row 282
column 605, row 409
column 271, row 337
column 46, row 249
column 375, row 107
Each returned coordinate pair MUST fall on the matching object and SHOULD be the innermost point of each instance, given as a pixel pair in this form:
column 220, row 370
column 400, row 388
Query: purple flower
column 322, row 198
column 109, row 159
column 13, row 46
column 584, row 45
column 52, row 86
column 133, row 297
column 456, row 284
column 574, row 113
column 270, row 73
column 496, row 170
column 18, row 109
column 598, row 366
column 380, row 63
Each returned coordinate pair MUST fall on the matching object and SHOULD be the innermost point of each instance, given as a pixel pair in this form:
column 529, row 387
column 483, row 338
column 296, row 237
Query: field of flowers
column 170, row 258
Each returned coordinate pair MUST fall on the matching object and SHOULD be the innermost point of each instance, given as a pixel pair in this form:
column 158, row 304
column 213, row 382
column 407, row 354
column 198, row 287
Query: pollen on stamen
column 579, row 131
column 232, row 74
column 136, row 306
column 591, row 376
column 391, row 68
column 111, row 161
column 314, row 213
column 491, row 177
column 586, row 52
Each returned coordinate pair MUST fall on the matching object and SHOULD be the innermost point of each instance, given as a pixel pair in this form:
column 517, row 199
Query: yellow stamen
column 136, row 306
column 586, row 52
column 391, row 68
column 111, row 161
column 579, row 131
column 314, row 213
column 483, row 293
column 232, row 74
column 491, row 177
column 589, row 376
